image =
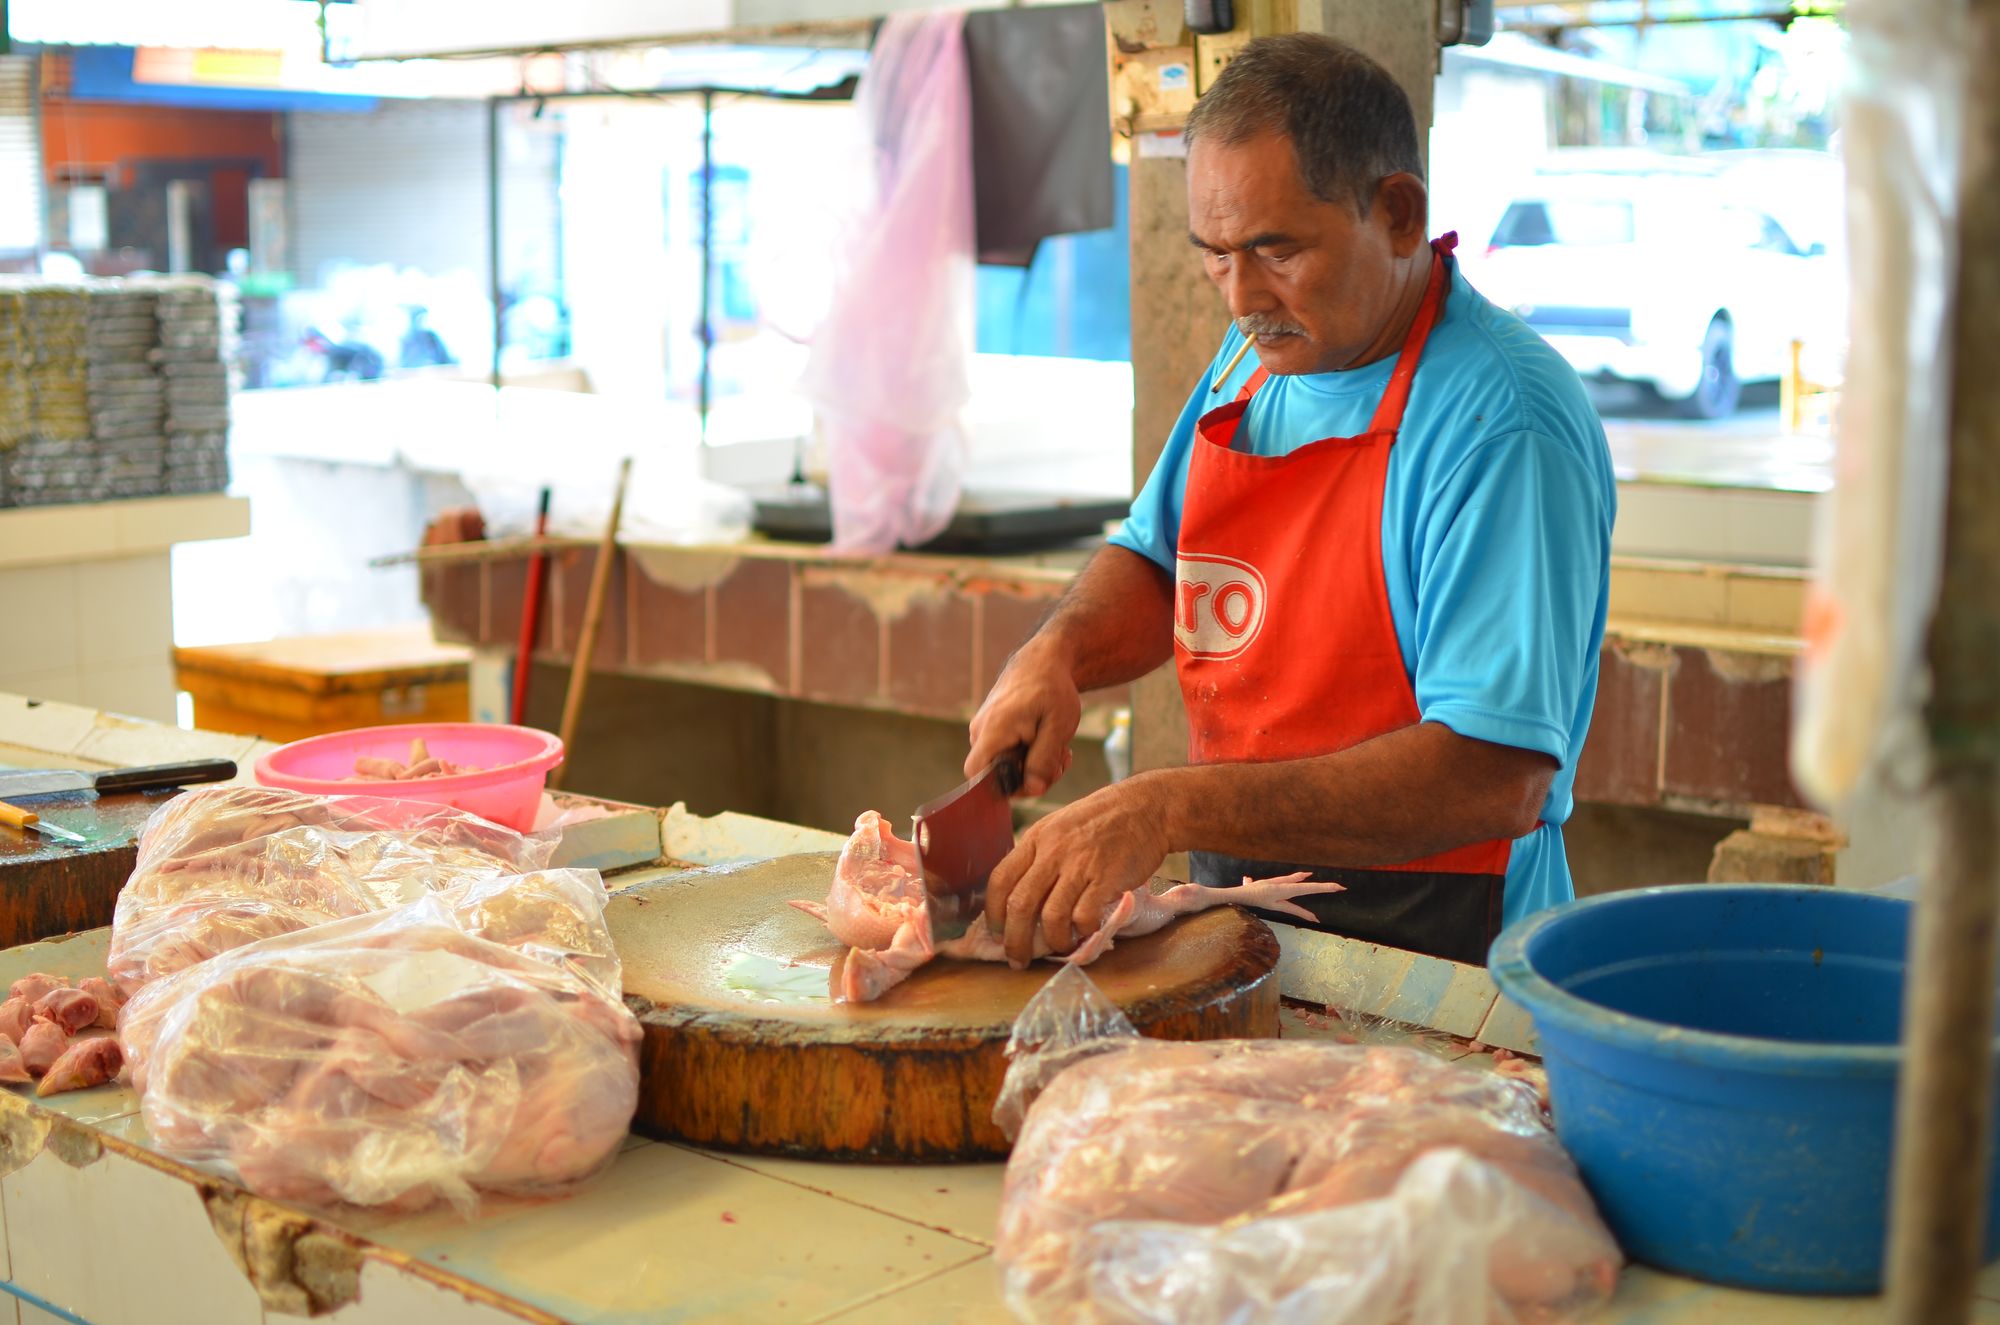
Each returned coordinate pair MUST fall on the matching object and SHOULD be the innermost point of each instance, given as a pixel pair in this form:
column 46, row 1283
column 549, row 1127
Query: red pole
column 531, row 618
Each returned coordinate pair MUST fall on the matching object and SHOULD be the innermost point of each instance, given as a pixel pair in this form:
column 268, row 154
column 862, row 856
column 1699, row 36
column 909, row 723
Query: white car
column 1653, row 269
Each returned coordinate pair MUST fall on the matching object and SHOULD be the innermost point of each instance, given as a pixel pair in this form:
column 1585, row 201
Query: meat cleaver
column 153, row 777
column 960, row 837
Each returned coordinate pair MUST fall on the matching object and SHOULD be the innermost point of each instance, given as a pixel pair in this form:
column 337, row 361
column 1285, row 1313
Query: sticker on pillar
column 1218, row 605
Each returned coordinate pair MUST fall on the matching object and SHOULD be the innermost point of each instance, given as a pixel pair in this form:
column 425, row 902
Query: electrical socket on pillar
column 1212, row 55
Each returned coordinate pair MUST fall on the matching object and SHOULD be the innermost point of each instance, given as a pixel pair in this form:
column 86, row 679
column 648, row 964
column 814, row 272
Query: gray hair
column 1349, row 122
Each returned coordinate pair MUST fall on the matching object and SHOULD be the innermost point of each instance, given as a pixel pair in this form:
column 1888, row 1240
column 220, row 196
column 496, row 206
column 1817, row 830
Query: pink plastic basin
column 513, row 764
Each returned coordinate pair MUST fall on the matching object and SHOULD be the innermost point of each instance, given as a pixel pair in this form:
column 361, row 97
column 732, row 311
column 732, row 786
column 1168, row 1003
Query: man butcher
column 1376, row 549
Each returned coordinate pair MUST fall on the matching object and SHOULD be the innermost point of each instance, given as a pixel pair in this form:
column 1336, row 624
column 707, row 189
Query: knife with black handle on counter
column 153, row 777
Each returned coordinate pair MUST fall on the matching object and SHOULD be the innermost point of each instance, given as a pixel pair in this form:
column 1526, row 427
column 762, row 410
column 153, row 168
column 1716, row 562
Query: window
column 1576, row 221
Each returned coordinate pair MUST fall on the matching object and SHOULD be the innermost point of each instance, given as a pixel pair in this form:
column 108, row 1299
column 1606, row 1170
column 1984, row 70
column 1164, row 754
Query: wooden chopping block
column 49, row 888
column 745, row 1050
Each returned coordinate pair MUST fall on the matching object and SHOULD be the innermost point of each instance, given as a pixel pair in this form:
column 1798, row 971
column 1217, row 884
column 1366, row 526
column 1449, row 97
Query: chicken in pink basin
column 876, row 907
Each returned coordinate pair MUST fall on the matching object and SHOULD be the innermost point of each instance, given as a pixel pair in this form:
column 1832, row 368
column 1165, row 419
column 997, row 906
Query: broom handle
column 593, row 615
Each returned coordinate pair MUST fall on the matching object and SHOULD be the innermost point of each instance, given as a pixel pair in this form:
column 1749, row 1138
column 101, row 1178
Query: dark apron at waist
column 1454, row 916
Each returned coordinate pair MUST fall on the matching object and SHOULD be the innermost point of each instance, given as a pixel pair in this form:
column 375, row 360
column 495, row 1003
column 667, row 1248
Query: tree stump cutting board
column 745, row 1050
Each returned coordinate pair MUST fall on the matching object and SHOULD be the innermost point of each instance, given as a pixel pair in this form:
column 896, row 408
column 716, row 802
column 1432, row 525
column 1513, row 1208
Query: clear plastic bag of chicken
column 220, row 867
column 474, row 1040
column 1241, row 1180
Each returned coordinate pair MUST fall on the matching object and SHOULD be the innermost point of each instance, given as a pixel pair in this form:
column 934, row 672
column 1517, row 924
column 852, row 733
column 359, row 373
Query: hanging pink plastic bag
column 472, row 1041
column 888, row 371
column 224, row 866
column 1240, row 1180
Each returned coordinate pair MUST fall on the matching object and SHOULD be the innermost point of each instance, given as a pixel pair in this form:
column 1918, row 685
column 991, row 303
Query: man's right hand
column 1034, row 703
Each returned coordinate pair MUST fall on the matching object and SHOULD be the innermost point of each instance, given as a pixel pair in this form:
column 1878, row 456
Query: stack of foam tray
column 190, row 358
column 16, row 408
column 127, row 398
column 57, row 460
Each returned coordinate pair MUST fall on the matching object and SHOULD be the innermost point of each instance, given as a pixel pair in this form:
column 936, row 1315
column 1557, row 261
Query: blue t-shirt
column 1496, row 536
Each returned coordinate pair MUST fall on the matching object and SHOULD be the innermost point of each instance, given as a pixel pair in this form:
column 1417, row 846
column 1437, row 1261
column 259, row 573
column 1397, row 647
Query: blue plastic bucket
column 1722, row 1065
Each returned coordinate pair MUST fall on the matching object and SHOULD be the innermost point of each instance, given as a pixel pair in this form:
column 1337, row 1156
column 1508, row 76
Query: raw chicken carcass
column 221, row 867
column 473, row 1040
column 1238, row 1180
column 87, row 1062
column 876, row 907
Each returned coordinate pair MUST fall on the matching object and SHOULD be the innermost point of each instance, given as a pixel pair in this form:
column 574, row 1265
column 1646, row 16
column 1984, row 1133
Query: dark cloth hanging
column 1041, row 126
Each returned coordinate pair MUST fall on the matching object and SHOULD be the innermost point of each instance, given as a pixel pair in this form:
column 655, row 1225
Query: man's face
column 1312, row 281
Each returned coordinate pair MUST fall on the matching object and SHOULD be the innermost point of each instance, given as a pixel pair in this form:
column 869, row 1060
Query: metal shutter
column 20, row 156
column 406, row 184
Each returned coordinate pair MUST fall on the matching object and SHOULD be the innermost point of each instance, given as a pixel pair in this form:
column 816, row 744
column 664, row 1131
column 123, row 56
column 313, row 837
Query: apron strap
column 1256, row 380
column 1389, row 413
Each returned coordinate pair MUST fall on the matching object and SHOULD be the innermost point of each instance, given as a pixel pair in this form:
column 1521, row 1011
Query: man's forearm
column 1116, row 621
column 1412, row 793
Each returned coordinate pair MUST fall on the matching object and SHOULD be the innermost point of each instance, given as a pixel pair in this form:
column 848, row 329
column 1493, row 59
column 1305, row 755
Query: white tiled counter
column 87, row 595
column 97, row 1227
column 106, row 1231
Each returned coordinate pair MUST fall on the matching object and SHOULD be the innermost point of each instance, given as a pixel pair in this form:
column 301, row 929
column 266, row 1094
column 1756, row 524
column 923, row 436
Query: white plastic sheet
column 1878, row 549
column 1290, row 1183
column 472, row 1041
column 888, row 372
column 220, row 867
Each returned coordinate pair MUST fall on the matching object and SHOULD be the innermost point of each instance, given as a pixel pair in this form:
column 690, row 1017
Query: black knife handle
column 1012, row 771
column 165, row 775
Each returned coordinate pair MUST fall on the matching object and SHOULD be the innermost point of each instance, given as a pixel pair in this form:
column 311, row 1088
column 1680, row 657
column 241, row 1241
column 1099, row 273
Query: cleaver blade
column 960, row 837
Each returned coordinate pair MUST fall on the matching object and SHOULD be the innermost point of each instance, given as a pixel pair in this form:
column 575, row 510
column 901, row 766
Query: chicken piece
column 16, row 1015
column 72, row 1009
column 42, row 1045
column 1224, row 1135
column 1524, row 1070
column 571, row 1119
column 878, row 890
column 108, row 1000
column 371, row 768
column 32, row 987
column 429, row 768
column 419, row 751
column 87, row 1062
column 876, row 906
column 220, row 868
column 400, row 1059
column 13, row 1070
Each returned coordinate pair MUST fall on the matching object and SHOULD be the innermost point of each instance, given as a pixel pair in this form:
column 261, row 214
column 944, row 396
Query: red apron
column 1286, row 648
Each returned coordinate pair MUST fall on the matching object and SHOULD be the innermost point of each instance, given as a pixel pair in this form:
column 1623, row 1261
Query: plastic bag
column 473, row 1040
column 888, row 373
column 221, row 867
column 1240, row 1180
column 1878, row 556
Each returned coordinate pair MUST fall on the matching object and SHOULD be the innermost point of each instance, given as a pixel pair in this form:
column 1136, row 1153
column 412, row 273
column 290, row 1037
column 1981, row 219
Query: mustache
column 1263, row 324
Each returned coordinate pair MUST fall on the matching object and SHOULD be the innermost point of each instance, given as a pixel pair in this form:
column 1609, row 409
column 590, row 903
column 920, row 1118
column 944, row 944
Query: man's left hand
column 1069, row 869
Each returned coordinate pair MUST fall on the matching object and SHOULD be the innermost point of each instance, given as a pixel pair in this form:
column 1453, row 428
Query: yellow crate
column 283, row 690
